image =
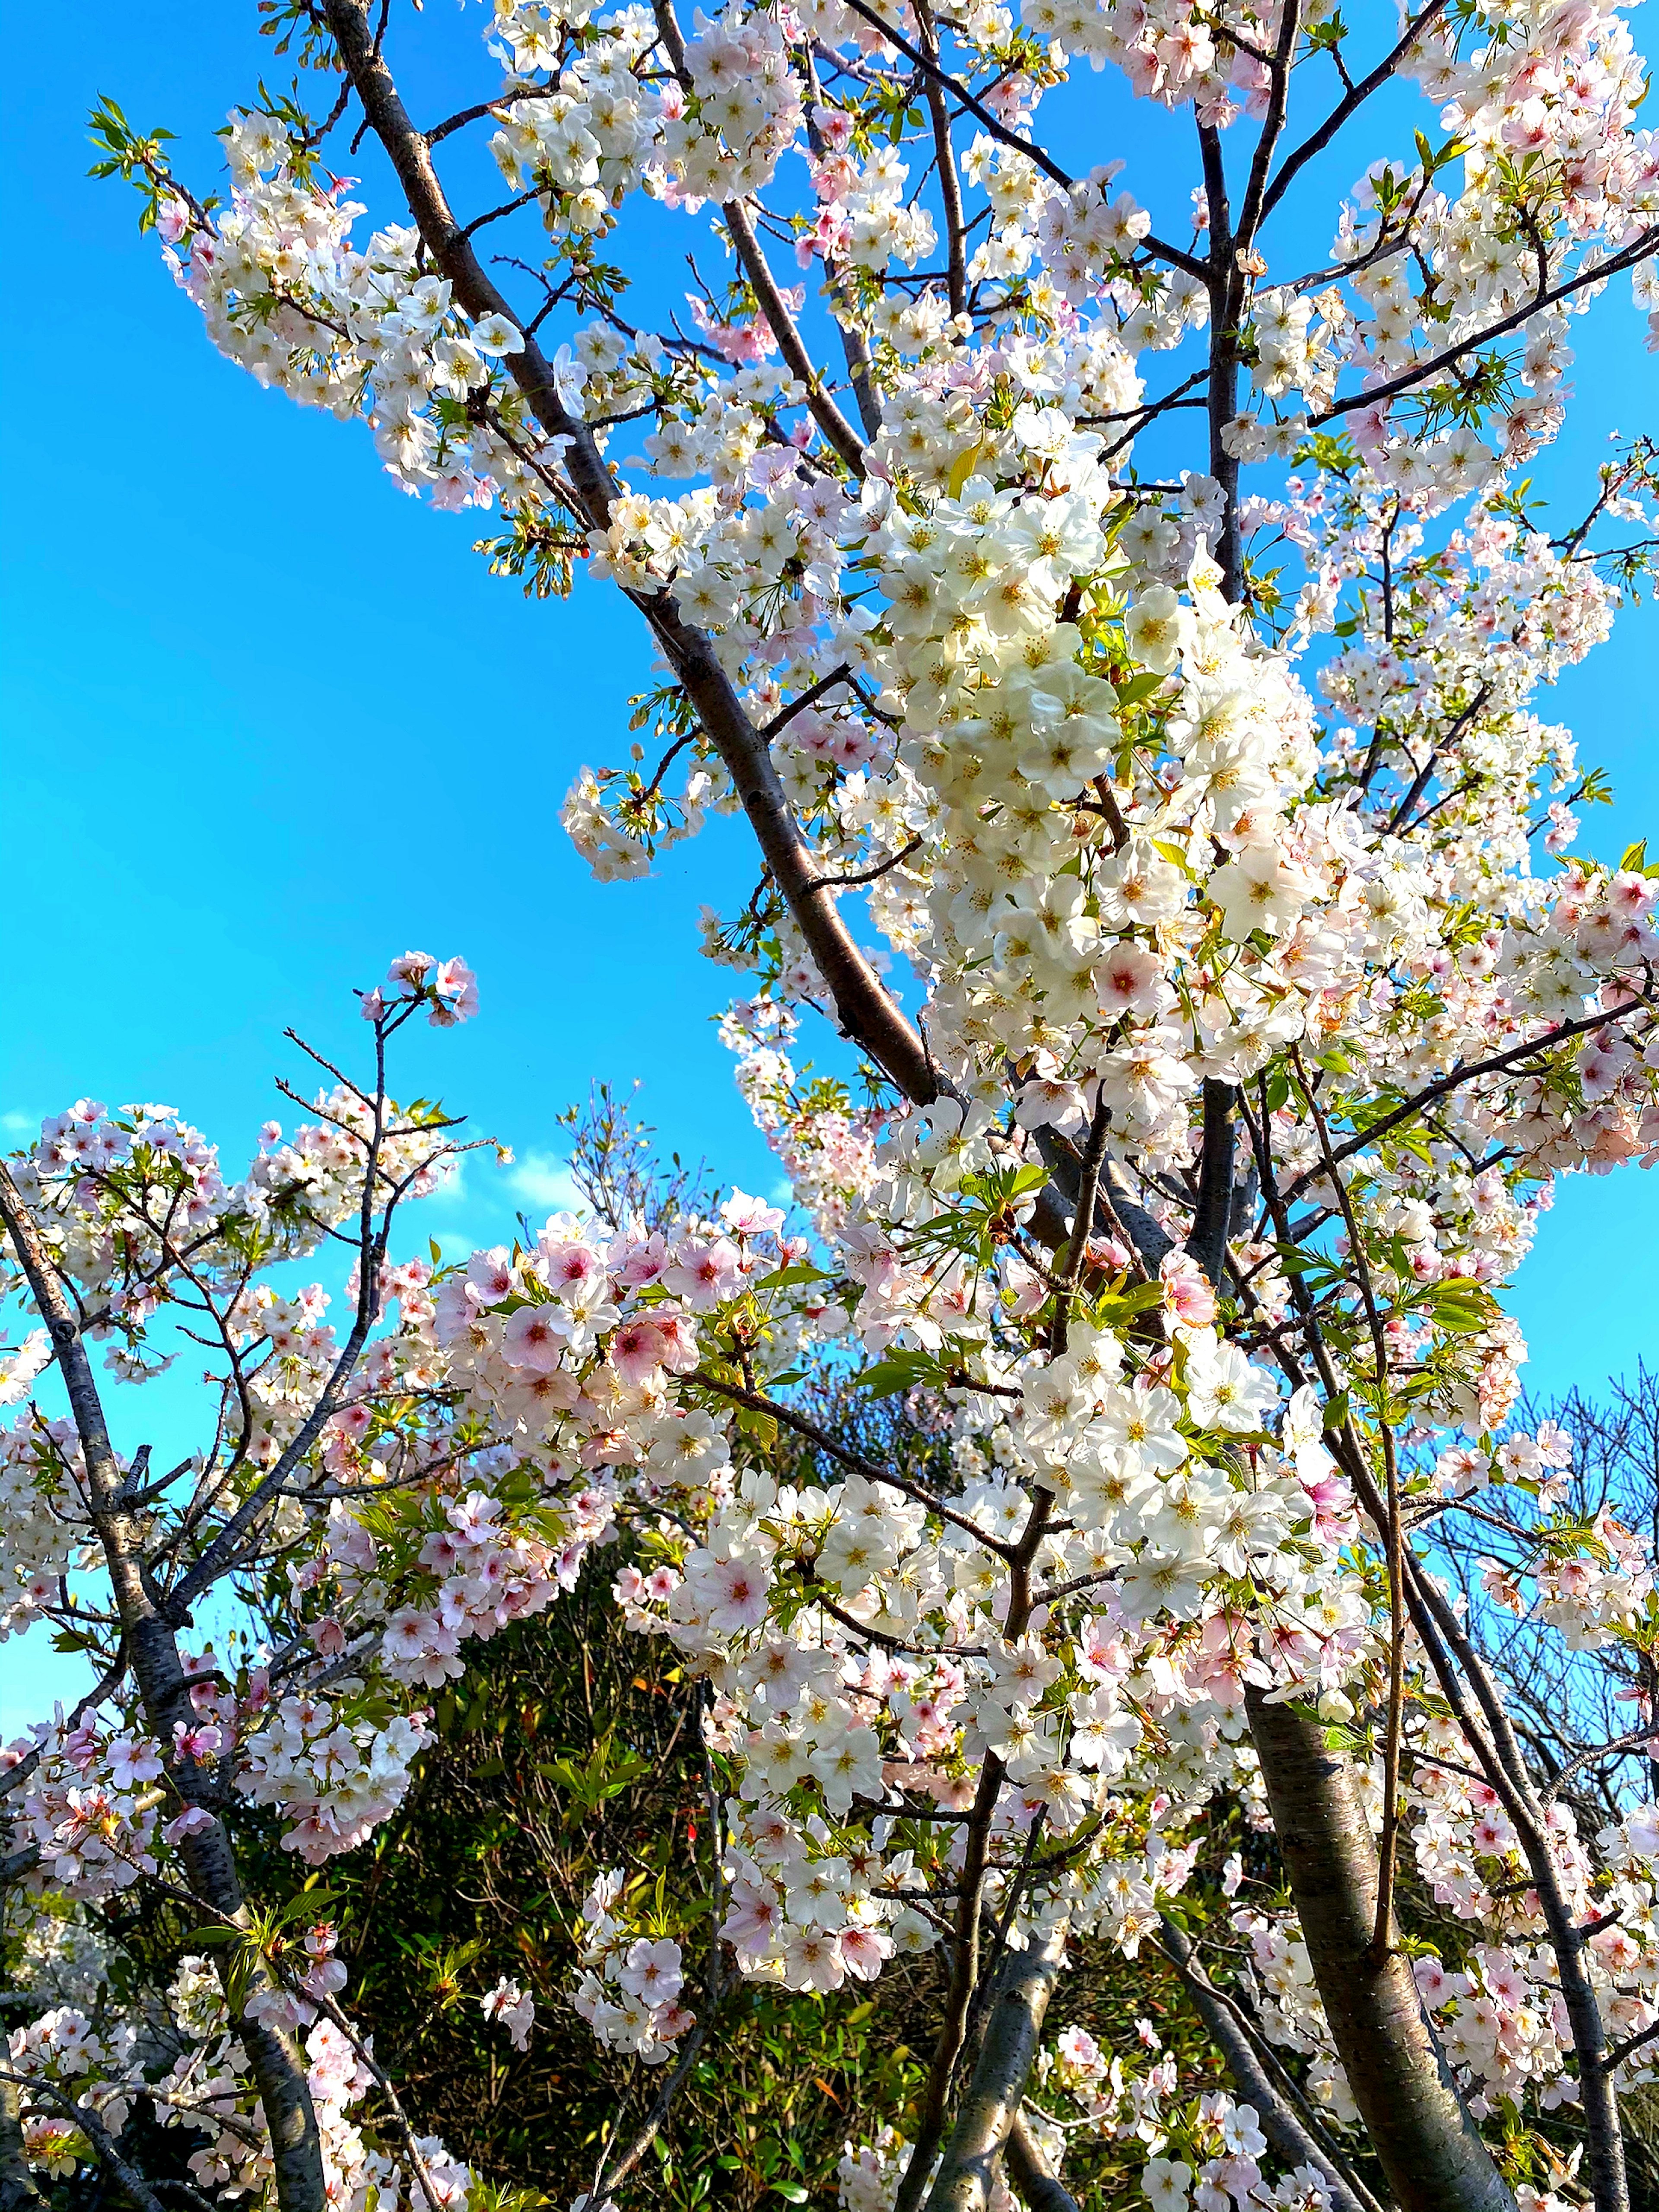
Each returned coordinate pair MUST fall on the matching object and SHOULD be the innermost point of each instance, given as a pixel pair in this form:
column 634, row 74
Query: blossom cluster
column 629, row 1992
column 1260, row 996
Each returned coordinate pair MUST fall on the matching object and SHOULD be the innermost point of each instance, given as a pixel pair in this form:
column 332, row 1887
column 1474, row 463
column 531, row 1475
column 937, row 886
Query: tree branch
column 1029, row 2171
column 1007, row 2052
column 1353, row 100
column 1492, row 1065
column 868, row 1014
column 1232, row 2037
column 278, row 2067
column 838, row 431
column 1408, row 378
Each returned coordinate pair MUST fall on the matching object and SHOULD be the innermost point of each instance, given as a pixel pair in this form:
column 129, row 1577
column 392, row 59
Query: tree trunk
column 1007, row 2052
column 275, row 2058
column 17, row 2191
column 1428, row 2146
column 1036, row 2187
column 1281, row 2123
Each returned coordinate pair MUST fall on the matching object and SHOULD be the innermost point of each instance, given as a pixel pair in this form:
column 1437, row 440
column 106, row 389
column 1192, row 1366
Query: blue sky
column 266, row 722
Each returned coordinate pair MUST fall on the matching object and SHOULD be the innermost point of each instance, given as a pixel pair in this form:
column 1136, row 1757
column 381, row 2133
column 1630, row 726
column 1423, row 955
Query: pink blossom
column 490, row 1274
column 750, row 1217
column 636, row 1350
column 190, row 1822
column 1188, row 1295
column 652, row 1971
column 1130, row 980
column 705, row 1271
column 735, row 1591
column 535, row 1337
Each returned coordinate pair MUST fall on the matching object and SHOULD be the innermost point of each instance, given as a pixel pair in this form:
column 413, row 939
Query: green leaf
column 962, row 468
column 1461, row 1305
column 1115, row 1305
column 996, row 1187
column 1295, row 1261
column 801, row 1272
column 1635, row 860
column 898, row 1371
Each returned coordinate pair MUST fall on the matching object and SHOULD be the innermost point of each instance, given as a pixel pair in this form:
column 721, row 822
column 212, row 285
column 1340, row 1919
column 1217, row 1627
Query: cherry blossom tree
column 1256, row 996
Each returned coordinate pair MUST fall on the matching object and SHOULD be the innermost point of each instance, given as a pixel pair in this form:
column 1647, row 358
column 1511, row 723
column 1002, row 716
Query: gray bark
column 1428, row 2146
column 274, row 2056
column 1212, row 1215
column 1506, row 1770
column 1280, row 2122
column 17, row 2191
column 1007, row 2051
column 1037, row 2189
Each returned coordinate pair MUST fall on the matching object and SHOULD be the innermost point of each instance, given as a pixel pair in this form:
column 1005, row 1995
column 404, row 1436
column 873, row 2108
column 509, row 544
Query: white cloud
column 474, row 1207
column 453, row 1190
column 20, row 1125
column 542, row 1179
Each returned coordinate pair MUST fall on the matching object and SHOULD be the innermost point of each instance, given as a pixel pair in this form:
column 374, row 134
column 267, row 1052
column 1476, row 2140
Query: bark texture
column 1013, row 2027
column 1428, row 2146
column 1281, row 2124
column 274, row 2056
column 17, row 2191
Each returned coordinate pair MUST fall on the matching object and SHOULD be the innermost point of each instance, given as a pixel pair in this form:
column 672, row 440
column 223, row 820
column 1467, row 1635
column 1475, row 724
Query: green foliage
column 535, row 548
column 574, row 1746
column 138, row 157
